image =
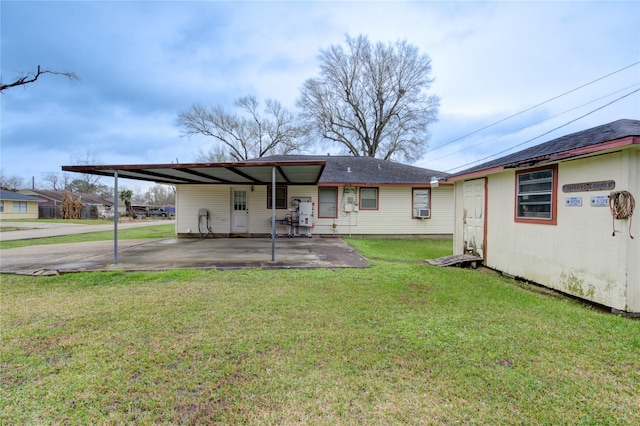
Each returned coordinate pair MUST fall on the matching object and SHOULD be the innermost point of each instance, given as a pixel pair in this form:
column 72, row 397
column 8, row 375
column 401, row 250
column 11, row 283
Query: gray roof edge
column 608, row 132
column 15, row 196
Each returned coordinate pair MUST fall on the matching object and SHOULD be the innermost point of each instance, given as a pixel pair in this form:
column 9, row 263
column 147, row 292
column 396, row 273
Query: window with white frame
column 421, row 203
column 535, row 195
column 328, row 201
column 368, row 198
column 20, row 207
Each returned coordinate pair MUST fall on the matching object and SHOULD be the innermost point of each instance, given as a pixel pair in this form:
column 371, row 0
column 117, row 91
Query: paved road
column 30, row 230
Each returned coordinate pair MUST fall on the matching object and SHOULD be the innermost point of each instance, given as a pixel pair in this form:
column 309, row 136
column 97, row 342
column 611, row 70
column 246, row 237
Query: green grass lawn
column 397, row 343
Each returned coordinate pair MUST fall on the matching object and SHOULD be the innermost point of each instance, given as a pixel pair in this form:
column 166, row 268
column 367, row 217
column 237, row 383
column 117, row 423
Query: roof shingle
column 596, row 135
column 363, row 170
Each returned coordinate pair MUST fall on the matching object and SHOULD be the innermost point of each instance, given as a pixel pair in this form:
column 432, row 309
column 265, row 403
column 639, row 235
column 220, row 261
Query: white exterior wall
column 394, row 216
column 578, row 255
column 191, row 198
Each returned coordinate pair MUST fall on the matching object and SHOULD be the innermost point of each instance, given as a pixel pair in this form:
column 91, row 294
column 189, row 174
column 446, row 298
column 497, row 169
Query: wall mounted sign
column 603, row 185
column 600, row 201
column 573, row 202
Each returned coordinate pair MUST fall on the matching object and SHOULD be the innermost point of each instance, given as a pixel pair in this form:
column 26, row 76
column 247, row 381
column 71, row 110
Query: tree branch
column 30, row 78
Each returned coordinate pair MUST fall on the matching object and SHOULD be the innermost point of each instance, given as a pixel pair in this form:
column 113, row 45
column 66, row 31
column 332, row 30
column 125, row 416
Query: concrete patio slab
column 166, row 254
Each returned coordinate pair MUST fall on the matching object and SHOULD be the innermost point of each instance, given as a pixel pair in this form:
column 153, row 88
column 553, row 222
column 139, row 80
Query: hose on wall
column 621, row 204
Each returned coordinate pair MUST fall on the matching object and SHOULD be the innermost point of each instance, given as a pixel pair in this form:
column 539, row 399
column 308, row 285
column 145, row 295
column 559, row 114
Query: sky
column 539, row 69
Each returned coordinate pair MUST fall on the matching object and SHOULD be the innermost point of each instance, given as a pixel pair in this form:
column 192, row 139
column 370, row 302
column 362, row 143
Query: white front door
column 473, row 218
column 239, row 212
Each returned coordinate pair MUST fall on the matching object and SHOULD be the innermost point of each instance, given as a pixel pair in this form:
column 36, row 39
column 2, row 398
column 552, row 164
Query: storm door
column 474, row 216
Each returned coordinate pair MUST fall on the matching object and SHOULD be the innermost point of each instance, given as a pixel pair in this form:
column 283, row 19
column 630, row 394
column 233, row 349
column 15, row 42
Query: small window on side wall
column 368, row 198
column 536, row 196
column 421, row 203
column 281, row 197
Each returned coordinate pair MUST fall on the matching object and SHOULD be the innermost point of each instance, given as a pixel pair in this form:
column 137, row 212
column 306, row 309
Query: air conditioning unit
column 424, row 213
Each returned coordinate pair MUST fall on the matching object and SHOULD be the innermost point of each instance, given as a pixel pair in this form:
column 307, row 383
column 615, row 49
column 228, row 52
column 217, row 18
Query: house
column 543, row 214
column 18, row 206
column 356, row 196
column 346, row 195
column 50, row 207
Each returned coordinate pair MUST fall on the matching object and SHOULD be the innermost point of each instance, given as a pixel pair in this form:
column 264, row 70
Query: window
column 369, row 198
column 20, row 207
column 1, row 206
column 421, row 203
column 239, row 201
column 281, row 197
column 327, row 202
column 536, row 196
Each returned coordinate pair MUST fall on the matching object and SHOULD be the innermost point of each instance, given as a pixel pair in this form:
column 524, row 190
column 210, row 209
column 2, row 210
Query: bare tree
column 372, row 99
column 215, row 154
column 87, row 158
column 11, row 183
column 246, row 136
column 33, row 76
column 160, row 195
column 56, row 181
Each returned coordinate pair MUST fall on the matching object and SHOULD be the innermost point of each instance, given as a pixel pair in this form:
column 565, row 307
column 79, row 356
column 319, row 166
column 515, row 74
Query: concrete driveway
column 174, row 253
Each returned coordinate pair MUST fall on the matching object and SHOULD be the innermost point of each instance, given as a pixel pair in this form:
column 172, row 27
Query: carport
column 240, row 173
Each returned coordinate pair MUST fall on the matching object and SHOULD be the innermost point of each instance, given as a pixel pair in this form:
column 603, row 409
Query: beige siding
column 578, row 255
column 633, row 246
column 8, row 214
column 394, row 216
column 191, row 198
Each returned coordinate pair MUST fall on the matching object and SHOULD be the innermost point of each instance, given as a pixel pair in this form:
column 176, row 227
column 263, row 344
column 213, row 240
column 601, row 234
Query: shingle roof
column 59, row 196
column 363, row 170
column 14, row 196
column 596, row 135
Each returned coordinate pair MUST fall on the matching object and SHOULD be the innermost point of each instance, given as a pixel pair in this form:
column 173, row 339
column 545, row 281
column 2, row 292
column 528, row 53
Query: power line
column 545, row 133
column 530, row 108
column 466, row 147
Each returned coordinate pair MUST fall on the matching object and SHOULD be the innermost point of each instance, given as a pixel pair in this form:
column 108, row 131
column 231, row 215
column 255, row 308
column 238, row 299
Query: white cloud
column 142, row 62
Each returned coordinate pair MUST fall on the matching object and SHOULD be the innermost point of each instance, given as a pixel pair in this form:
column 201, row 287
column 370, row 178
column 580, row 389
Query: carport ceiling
column 236, row 173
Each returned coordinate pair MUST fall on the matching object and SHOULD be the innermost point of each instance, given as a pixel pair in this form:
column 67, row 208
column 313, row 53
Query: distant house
column 122, row 209
column 50, row 207
column 544, row 214
column 14, row 205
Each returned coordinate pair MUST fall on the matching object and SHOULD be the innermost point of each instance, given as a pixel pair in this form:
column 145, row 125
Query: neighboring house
column 93, row 204
column 355, row 196
column 54, row 198
column 122, row 209
column 18, row 206
column 543, row 214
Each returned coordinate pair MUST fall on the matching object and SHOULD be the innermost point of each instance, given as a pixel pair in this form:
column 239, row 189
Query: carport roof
column 237, row 173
